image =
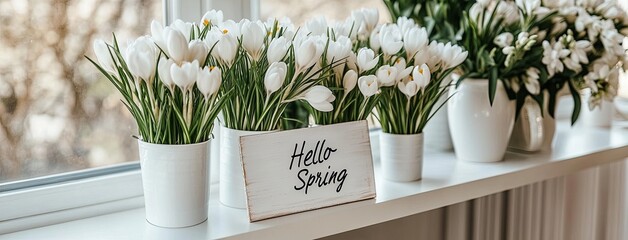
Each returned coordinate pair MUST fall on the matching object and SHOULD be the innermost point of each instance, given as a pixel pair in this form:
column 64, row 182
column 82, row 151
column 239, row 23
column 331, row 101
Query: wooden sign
column 299, row 170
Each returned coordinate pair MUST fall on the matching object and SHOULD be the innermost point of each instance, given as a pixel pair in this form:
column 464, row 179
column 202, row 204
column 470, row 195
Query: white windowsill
column 445, row 181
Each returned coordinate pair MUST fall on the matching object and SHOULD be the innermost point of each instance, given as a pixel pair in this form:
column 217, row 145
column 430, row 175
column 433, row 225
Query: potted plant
column 173, row 90
column 410, row 81
column 266, row 66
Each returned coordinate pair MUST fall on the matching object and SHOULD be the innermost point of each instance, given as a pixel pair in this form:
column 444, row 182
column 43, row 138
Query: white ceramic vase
column 437, row 129
column 601, row 116
column 175, row 179
column 480, row 132
column 529, row 129
column 401, row 156
column 232, row 191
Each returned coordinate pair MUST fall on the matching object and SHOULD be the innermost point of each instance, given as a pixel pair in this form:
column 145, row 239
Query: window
column 300, row 11
column 57, row 113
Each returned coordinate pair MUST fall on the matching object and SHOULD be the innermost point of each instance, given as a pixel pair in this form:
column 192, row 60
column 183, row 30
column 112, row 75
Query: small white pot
column 601, row 116
column 401, row 156
column 175, row 179
column 232, row 191
column 437, row 129
column 480, row 132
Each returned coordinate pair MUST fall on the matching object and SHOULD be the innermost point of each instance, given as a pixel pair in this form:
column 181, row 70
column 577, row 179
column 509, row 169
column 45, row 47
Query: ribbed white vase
column 480, row 132
column 232, row 191
column 175, row 179
column 401, row 156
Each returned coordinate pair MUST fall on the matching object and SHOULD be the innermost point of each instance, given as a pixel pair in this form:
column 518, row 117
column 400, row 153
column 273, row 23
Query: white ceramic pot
column 214, row 159
column 528, row 131
column 480, row 132
column 175, row 179
column 601, row 116
column 401, row 156
column 232, row 192
column 437, row 129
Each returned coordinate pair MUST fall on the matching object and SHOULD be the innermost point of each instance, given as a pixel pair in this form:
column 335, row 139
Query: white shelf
column 445, row 181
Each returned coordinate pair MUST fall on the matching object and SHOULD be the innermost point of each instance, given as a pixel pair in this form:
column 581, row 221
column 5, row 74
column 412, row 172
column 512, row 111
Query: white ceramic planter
column 528, row 131
column 401, row 156
column 437, row 129
column 601, row 116
column 232, row 192
column 175, row 179
column 480, row 132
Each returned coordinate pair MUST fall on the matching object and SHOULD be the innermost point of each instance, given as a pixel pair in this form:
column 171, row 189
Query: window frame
column 69, row 196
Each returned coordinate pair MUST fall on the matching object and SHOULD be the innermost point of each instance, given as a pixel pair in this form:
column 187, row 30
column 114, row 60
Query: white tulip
column 185, row 76
column 197, row 50
column 209, row 80
column 212, row 17
column 307, row 53
column 366, row 60
column 368, row 85
column 320, row 98
column 253, row 35
column 141, row 58
column 414, row 40
column 422, row 76
column 504, row 40
column 349, row 81
column 104, row 56
column 163, row 69
column 227, row 48
column 275, row 76
column 387, row 75
column 409, row 88
column 177, row 45
column 277, row 49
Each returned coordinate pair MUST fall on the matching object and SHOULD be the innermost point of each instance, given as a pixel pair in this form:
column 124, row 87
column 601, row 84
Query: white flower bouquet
column 583, row 50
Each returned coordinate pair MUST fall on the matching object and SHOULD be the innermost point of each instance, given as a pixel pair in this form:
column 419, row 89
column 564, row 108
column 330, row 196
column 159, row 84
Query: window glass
column 300, row 11
column 57, row 113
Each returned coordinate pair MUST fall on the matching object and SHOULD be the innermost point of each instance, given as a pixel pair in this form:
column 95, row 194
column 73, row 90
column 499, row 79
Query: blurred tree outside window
column 57, row 113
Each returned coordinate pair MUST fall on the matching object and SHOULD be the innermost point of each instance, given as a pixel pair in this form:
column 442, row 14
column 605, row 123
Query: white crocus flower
column 307, row 53
column 409, row 88
column 104, row 56
column 253, row 35
column 414, row 40
column 141, row 58
column 338, row 50
column 317, row 25
column 230, row 27
column 212, row 17
column 504, row 40
column 277, row 49
column 275, row 76
column 390, row 39
column 177, row 45
column 402, row 70
column 374, row 40
column 386, row 75
column 227, row 48
column 158, row 35
column 531, row 81
column 452, row 56
column 405, row 24
column 370, row 17
column 183, row 27
column 184, row 76
column 552, row 55
column 422, row 76
column 163, row 69
column 366, row 60
column 209, row 80
column 349, row 81
column 320, row 98
column 368, row 85
column 197, row 50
